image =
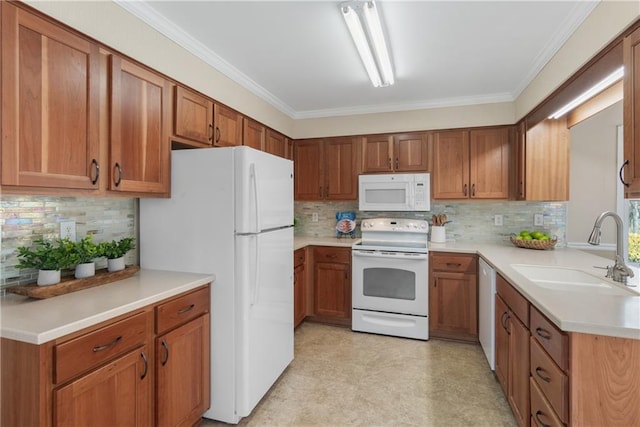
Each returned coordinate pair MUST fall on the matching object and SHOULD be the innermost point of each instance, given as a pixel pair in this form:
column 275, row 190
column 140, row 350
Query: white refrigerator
column 231, row 214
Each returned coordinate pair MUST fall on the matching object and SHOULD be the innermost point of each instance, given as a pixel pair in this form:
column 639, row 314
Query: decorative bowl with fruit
column 534, row 240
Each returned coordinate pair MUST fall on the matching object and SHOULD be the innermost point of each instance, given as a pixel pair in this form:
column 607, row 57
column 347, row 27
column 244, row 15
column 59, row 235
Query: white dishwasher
column 486, row 310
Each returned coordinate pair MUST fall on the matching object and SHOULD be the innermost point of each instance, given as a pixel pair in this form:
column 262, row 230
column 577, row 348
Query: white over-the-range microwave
column 398, row 192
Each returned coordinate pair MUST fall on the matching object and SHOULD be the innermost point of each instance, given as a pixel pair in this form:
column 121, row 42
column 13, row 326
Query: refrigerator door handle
column 256, row 195
column 256, row 271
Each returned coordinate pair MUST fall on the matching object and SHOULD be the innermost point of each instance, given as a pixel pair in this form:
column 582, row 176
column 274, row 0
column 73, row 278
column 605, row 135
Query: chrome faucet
column 619, row 271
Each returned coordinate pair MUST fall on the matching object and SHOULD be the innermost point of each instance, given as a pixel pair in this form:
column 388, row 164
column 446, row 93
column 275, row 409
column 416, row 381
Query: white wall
column 593, row 175
column 112, row 25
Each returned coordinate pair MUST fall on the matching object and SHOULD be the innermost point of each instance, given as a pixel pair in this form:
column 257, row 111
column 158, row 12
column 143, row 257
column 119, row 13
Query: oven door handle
column 390, row 255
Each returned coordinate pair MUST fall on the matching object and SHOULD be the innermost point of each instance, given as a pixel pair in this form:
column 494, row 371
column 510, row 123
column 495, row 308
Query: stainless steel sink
column 570, row 279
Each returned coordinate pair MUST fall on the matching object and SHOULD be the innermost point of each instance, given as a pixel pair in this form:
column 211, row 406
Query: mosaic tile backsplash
column 470, row 221
column 24, row 219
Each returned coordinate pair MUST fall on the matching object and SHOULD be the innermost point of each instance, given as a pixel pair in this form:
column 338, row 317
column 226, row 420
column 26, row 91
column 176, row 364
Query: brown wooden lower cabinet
column 110, row 374
column 332, row 284
column 299, row 286
column 453, row 296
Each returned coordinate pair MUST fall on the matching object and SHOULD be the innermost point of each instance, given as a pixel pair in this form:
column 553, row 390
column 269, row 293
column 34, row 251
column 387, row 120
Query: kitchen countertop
column 23, row 319
column 343, row 242
column 572, row 311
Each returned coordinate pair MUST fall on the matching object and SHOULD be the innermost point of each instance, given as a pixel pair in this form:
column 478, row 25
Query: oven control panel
column 395, row 224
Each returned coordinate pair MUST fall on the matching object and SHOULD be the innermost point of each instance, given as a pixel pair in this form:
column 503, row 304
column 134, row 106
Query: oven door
column 394, row 282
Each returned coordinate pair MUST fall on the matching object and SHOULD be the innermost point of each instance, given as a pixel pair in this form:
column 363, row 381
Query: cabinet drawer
column 330, row 254
column 456, row 263
column 518, row 304
column 551, row 338
column 90, row 350
column 299, row 257
column 182, row 309
column 551, row 380
column 542, row 414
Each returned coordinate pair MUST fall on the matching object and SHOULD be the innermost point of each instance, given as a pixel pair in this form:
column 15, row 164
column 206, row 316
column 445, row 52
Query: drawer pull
column 146, row 365
column 542, row 377
column 107, row 346
column 454, row 264
column 166, row 352
column 538, row 413
column 543, row 333
column 117, row 180
column 505, row 317
column 186, row 309
column 96, row 174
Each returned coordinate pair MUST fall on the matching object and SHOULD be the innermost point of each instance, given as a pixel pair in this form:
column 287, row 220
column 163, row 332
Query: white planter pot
column 87, row 269
column 115, row 264
column 48, row 277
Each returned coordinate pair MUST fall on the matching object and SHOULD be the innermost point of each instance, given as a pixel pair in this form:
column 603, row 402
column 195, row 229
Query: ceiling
column 299, row 57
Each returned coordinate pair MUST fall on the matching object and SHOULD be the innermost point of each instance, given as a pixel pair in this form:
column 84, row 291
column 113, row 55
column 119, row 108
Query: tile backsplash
column 469, row 220
column 24, row 219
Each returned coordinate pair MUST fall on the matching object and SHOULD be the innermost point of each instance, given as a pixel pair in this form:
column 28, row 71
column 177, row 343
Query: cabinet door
column 518, row 395
column 376, row 154
column 340, row 173
column 450, row 178
column 502, row 343
column 308, row 170
column 116, row 394
column 332, row 283
column 228, row 126
column 276, row 144
column 453, row 306
column 489, row 163
column 631, row 108
column 410, row 153
column 255, row 134
column 192, row 116
column 50, row 101
column 299, row 295
column 140, row 121
column 182, row 374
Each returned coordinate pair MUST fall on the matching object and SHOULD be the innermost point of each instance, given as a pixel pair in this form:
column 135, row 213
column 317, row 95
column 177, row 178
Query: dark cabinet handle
column 210, row 132
column 217, row 134
column 146, row 365
column 397, row 163
column 538, row 413
column 521, row 189
column 542, row 377
column 389, row 163
column 107, row 346
column 464, row 190
column 543, row 333
column 473, row 190
column 320, row 190
column 118, row 168
column 96, row 171
column 166, row 352
column 626, row 184
column 454, row 264
column 186, row 309
column 504, row 319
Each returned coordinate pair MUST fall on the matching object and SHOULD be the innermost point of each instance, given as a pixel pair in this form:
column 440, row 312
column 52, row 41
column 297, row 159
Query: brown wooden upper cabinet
column 326, row 169
column 227, row 126
column 192, row 118
column 277, row 144
column 395, row 153
column 631, row 171
column 542, row 161
column 140, row 127
column 471, row 164
column 254, row 134
column 50, row 104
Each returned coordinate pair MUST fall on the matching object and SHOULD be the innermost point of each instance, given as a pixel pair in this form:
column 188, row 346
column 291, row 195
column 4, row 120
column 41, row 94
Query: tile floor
column 344, row 378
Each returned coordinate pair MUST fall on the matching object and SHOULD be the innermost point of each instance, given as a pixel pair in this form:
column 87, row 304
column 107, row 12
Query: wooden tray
column 71, row 284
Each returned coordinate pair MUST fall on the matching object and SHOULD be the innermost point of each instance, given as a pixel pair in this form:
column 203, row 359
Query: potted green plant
column 84, row 253
column 48, row 257
column 115, row 252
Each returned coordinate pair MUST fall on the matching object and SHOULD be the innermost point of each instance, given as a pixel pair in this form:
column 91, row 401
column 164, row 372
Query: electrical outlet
column 498, row 220
column 68, row 230
column 314, row 217
column 538, row 219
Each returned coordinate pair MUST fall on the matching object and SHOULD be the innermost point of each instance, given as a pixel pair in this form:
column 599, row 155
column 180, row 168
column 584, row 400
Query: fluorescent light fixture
column 369, row 42
column 596, row 89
